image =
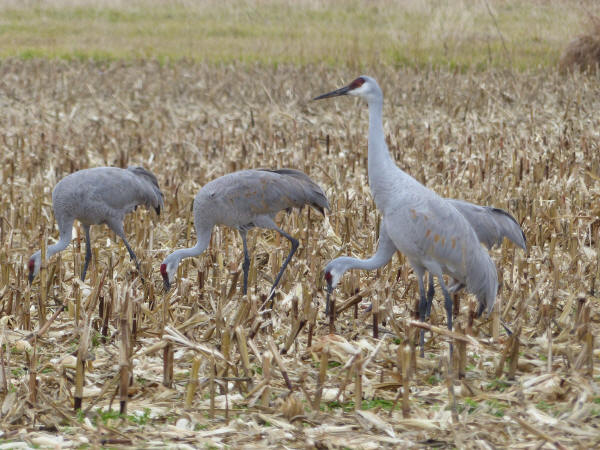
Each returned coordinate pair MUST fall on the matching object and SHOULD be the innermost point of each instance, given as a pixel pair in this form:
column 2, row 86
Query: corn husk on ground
column 203, row 365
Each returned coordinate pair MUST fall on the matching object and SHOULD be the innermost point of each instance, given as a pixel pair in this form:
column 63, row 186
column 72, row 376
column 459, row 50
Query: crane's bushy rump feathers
column 303, row 190
column 491, row 224
column 153, row 197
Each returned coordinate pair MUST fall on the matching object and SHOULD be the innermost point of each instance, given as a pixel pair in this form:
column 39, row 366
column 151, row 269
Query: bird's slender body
column 96, row 196
column 244, row 200
column 428, row 229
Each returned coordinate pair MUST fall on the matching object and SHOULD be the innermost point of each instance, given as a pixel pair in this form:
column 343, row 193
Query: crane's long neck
column 66, row 233
column 384, row 253
column 63, row 241
column 380, row 163
column 201, row 245
column 372, row 263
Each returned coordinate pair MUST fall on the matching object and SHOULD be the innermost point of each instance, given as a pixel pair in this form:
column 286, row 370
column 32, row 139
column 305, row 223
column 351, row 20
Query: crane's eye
column 328, row 277
column 357, row 83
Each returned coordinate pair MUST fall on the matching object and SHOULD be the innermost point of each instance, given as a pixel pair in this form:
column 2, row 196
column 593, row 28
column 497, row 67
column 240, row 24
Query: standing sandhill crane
column 425, row 227
column 491, row 225
column 244, row 200
column 96, row 196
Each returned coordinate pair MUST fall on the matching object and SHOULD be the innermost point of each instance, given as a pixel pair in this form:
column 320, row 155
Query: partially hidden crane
column 95, row 196
column 244, row 200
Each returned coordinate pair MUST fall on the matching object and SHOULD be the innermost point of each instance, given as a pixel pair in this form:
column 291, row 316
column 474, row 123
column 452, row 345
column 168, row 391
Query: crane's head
column 165, row 275
column 34, row 265
column 333, row 273
column 364, row 87
column 168, row 269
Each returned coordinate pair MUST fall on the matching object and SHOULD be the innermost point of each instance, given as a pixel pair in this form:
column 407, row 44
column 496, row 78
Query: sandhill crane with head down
column 428, row 229
column 244, row 200
column 491, row 225
column 96, row 196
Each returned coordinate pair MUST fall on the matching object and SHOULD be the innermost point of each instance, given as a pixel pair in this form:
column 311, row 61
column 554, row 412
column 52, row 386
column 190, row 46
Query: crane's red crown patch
column 357, row 83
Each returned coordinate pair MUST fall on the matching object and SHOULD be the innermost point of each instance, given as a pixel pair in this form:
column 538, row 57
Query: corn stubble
column 204, row 365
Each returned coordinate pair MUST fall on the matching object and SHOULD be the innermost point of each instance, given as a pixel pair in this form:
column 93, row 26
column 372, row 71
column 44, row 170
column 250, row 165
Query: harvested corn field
column 205, row 366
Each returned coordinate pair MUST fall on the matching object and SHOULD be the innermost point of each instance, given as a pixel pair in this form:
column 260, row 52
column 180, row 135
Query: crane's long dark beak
column 328, row 302
column 30, row 276
column 336, row 93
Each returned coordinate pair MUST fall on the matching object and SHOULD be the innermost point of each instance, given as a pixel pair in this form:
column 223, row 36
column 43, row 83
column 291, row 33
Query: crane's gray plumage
column 244, row 200
column 96, row 196
column 425, row 227
column 491, row 225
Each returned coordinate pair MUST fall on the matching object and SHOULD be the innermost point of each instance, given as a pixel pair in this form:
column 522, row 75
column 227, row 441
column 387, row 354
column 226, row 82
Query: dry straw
column 205, row 366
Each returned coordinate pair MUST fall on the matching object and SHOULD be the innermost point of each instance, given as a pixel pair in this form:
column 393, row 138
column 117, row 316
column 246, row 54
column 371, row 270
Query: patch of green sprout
column 433, row 380
column 471, row 404
column 543, row 406
column 17, row 372
column 141, row 419
column 106, row 415
column 96, row 339
column 378, row 402
column 496, row 408
column 497, row 385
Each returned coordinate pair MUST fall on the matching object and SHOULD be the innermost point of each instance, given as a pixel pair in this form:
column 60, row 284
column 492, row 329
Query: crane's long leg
column 88, row 251
column 430, row 294
column 132, row 255
column 295, row 244
column 117, row 227
column 422, row 308
column 246, row 264
column 448, row 304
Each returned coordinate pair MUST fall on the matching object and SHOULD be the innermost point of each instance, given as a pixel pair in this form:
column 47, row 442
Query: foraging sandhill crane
column 96, row 196
column 428, row 229
column 244, row 200
column 491, row 226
